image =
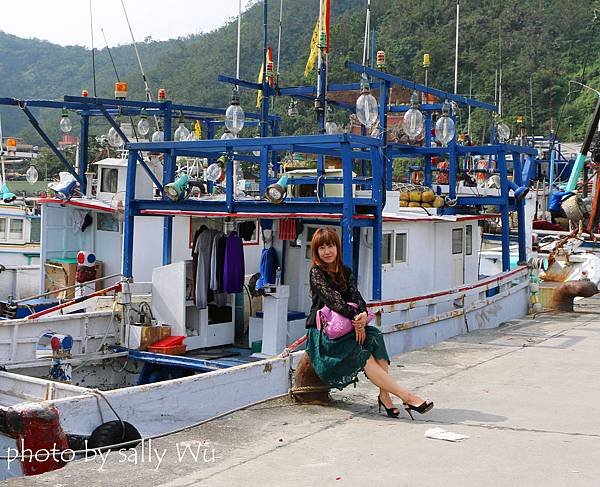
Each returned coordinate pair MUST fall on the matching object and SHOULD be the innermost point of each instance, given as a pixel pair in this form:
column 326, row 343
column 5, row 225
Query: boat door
column 458, row 257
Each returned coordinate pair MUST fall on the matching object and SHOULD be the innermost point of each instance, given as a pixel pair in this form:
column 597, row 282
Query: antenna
column 93, row 50
column 110, row 55
column 456, row 49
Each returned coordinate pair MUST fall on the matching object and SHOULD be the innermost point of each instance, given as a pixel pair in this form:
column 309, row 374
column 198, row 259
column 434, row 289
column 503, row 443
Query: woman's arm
column 354, row 293
column 329, row 296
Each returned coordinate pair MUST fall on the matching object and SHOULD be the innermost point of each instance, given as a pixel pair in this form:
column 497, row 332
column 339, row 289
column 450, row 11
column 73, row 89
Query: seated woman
column 338, row 362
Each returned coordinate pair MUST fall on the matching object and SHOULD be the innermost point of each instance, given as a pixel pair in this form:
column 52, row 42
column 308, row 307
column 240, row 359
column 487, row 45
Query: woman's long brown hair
column 328, row 236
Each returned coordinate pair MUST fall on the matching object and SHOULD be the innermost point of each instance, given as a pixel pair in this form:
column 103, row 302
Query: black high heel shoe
column 392, row 412
column 422, row 408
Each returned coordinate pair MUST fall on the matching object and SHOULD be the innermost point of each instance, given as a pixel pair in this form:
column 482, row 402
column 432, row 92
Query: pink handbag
column 336, row 325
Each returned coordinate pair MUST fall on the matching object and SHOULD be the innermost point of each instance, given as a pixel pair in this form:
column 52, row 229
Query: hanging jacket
column 269, row 262
column 233, row 269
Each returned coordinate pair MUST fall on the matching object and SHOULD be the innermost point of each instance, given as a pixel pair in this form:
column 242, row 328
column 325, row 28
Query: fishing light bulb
column 32, row 175
column 234, row 116
column 444, row 127
column 182, row 131
column 503, row 131
column 158, row 136
column 114, row 139
column 292, row 109
column 143, row 125
column 191, row 136
column 332, row 128
column 367, row 109
column 65, row 122
column 412, row 123
column 227, row 135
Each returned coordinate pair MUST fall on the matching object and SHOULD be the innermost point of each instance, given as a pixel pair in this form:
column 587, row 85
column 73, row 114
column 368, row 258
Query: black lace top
column 326, row 292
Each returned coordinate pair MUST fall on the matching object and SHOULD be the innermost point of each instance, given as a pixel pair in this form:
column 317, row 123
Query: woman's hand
column 360, row 319
column 359, row 323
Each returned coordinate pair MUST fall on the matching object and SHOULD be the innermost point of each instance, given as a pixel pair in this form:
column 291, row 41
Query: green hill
column 548, row 43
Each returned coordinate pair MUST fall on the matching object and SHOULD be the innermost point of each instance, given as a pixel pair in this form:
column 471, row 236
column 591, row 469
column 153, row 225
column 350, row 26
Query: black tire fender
column 114, row 433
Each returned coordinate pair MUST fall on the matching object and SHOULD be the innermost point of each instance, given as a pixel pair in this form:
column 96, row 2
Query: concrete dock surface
column 527, row 394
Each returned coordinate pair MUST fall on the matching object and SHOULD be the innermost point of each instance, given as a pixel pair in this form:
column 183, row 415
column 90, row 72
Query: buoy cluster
column 416, row 196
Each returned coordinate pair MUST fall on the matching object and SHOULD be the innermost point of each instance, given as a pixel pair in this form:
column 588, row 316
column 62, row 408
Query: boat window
column 386, row 249
column 469, row 239
column 400, row 253
column 15, row 229
column 34, row 236
column 108, row 180
column 107, row 222
column 2, row 227
column 457, row 241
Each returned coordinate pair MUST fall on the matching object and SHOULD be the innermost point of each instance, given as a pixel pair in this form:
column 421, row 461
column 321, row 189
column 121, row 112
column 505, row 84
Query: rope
column 308, row 389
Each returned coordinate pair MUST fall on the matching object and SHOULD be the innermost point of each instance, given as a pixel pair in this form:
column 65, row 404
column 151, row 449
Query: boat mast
column 456, row 49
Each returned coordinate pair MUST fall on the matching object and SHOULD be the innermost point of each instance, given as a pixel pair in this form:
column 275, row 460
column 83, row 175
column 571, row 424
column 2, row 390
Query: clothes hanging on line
column 269, row 262
column 246, row 230
column 287, row 229
column 233, row 269
column 203, row 250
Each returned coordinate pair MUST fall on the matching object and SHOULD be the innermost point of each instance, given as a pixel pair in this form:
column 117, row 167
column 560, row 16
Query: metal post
column 501, row 161
column 348, row 207
column 128, row 222
column 427, row 159
column 229, row 189
column 384, row 89
column 168, row 176
column 83, row 151
column 264, row 104
column 520, row 205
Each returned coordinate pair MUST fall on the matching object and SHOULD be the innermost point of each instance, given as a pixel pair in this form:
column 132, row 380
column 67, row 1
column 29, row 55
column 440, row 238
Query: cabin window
column 400, row 252
column 469, row 239
column 457, row 241
column 386, row 249
column 35, row 230
column 15, row 231
column 107, row 222
column 2, row 228
column 108, row 180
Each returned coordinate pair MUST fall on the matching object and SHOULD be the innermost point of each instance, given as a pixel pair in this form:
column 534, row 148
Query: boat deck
column 504, row 388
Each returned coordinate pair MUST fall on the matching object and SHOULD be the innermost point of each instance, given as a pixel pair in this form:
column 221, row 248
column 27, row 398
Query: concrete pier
column 527, row 394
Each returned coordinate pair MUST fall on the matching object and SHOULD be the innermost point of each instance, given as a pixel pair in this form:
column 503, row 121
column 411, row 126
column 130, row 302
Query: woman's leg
column 383, row 394
column 378, row 376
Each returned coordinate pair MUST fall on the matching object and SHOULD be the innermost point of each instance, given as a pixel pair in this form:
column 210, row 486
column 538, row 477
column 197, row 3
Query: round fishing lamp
column 234, row 116
column 114, row 139
column 367, row 109
column 292, row 109
column 65, row 123
column 32, row 175
column 444, row 127
column 213, row 172
column 503, row 131
column 176, row 189
column 143, row 125
column 332, row 128
column 158, row 136
column 182, row 131
column 413, row 118
column 277, row 192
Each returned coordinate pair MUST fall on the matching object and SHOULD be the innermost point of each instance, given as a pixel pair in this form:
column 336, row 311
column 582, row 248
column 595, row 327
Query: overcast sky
column 67, row 22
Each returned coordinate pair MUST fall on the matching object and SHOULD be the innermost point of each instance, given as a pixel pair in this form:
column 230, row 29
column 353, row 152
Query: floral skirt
column 338, row 362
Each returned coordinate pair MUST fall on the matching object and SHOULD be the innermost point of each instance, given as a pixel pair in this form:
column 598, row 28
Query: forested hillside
column 548, row 44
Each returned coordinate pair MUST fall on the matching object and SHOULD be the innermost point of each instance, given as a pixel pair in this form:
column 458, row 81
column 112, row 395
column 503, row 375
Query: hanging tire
column 111, row 433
